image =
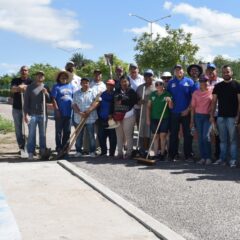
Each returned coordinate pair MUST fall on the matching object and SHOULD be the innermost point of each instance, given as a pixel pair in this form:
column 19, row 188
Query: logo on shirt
column 186, row 84
column 173, row 85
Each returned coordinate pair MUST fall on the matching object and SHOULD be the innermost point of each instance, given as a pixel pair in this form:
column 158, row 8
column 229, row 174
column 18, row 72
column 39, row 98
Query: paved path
column 49, row 203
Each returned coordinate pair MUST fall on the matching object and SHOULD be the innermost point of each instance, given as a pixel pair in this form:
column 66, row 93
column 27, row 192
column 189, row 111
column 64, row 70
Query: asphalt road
column 199, row 203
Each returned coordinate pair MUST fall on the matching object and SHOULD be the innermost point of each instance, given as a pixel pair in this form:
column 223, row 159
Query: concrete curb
column 159, row 229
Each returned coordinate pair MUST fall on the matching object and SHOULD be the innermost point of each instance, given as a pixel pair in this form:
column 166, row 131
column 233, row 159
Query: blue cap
column 148, row 72
column 177, row 66
column 211, row 65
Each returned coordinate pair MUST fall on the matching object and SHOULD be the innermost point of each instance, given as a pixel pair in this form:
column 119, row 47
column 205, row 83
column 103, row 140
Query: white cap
column 166, row 74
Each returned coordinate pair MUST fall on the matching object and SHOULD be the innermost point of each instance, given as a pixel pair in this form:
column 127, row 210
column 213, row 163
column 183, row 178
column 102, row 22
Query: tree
column 79, row 60
column 50, row 72
column 219, row 61
column 87, row 70
column 162, row 53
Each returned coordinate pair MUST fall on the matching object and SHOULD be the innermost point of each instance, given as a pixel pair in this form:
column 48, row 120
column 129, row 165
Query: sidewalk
column 49, row 203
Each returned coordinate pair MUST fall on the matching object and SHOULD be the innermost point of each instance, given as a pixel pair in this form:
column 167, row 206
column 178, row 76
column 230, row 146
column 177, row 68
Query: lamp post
column 149, row 21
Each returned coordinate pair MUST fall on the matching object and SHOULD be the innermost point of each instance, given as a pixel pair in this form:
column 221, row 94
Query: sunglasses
column 158, row 84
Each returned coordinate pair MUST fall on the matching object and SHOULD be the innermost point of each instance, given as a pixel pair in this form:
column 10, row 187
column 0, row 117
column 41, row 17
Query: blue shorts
column 163, row 128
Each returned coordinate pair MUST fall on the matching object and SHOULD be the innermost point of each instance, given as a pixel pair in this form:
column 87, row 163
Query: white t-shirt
column 98, row 87
column 76, row 82
column 136, row 82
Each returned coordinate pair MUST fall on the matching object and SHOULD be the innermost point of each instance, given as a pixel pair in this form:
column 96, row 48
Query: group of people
column 166, row 108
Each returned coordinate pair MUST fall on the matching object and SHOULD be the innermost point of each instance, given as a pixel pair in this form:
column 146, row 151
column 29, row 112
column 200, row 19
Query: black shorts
column 163, row 128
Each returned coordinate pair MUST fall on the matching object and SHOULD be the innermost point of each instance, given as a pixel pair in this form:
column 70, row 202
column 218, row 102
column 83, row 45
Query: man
column 227, row 94
column 134, row 77
column 211, row 72
column 97, row 84
column 105, row 111
column 74, row 79
column 18, row 87
column 195, row 71
column 118, row 74
column 34, row 115
column 181, row 89
column 84, row 106
column 148, row 87
column 166, row 77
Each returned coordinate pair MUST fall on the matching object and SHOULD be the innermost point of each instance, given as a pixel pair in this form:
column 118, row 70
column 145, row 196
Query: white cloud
column 167, row 5
column 212, row 30
column 36, row 19
column 9, row 68
column 156, row 28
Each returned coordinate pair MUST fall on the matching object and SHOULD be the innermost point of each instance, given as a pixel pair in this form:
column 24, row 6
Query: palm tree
column 79, row 60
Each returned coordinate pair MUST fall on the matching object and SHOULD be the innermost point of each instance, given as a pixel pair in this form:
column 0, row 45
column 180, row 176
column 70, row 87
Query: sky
column 50, row 31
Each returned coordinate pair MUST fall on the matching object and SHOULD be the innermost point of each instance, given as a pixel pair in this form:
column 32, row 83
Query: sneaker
column 208, row 161
column 78, row 154
column 218, row 162
column 30, row 156
column 23, row 153
column 202, row 161
column 233, row 163
column 92, row 155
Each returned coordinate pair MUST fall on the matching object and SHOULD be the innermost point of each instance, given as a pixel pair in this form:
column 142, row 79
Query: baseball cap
column 177, row 66
column 70, row 63
column 110, row 82
column 40, row 73
column 97, row 70
column 211, row 65
column 133, row 65
column 166, row 75
column 85, row 79
column 194, row 66
column 148, row 72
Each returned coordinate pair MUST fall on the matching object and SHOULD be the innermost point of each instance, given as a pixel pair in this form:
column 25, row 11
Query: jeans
column 35, row 120
column 92, row 143
column 228, row 134
column 103, row 133
column 176, row 120
column 18, row 121
column 63, row 131
column 204, row 144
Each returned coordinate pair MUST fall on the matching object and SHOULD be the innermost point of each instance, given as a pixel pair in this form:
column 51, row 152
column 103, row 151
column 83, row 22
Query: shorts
column 163, row 128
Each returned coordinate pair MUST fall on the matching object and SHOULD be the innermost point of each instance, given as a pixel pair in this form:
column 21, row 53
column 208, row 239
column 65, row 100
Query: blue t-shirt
column 106, row 105
column 63, row 94
column 181, row 91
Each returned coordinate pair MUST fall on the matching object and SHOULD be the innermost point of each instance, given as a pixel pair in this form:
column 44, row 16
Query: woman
column 200, row 114
column 62, row 95
column 156, row 104
column 124, row 100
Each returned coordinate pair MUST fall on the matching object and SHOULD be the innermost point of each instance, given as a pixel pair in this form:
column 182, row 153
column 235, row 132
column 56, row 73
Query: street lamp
column 149, row 21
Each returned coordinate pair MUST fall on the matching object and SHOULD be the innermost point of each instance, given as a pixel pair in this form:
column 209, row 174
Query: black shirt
column 17, row 102
column 227, row 98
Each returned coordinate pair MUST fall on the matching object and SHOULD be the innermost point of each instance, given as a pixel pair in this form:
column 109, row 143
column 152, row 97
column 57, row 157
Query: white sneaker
column 233, row 164
column 30, row 156
column 208, row 161
column 23, row 153
column 92, row 154
column 218, row 162
column 78, row 154
column 202, row 161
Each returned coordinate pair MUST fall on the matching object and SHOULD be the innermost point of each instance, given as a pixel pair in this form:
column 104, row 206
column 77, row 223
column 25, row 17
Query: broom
column 146, row 160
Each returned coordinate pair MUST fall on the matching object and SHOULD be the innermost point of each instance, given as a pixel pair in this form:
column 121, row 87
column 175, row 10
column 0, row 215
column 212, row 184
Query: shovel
column 136, row 152
column 47, row 151
column 24, row 152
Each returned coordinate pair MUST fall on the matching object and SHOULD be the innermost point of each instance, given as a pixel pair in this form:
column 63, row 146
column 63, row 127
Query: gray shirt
column 33, row 99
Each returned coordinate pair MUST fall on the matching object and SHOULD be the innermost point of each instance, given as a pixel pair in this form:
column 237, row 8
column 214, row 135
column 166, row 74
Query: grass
column 6, row 125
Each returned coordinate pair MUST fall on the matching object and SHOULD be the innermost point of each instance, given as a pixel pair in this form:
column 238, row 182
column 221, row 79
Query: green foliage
column 6, row 125
column 87, row 70
column 162, row 53
column 80, row 61
column 219, row 61
column 5, row 93
column 50, row 72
